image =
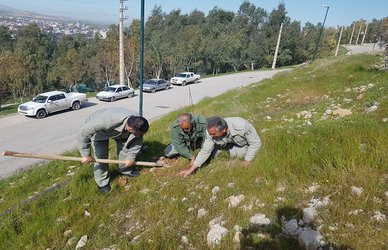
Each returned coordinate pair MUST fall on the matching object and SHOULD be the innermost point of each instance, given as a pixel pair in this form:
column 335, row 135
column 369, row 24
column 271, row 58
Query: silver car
column 114, row 92
column 154, row 85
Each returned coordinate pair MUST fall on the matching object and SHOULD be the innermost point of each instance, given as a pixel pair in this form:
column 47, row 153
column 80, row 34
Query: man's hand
column 87, row 159
column 129, row 163
column 192, row 158
column 187, row 172
column 245, row 163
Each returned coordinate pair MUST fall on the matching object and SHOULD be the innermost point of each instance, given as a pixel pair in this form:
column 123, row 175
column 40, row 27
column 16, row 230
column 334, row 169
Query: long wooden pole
column 71, row 158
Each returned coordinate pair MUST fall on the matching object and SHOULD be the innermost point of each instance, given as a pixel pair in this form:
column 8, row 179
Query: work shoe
column 105, row 189
column 131, row 173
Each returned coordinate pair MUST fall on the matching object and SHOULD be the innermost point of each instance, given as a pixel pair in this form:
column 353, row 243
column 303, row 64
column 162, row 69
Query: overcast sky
column 341, row 12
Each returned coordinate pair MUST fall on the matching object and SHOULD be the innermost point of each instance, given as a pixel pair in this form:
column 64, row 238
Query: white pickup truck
column 185, row 78
column 50, row 102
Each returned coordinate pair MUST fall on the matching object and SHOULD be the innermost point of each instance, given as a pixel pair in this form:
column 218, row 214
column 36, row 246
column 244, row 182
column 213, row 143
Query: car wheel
column 41, row 114
column 195, row 81
column 184, row 83
column 76, row 106
column 153, row 90
column 112, row 99
column 130, row 95
column 167, row 87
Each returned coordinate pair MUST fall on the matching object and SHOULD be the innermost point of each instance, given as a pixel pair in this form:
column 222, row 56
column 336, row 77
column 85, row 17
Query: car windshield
column 151, row 82
column 40, row 99
column 181, row 75
column 110, row 89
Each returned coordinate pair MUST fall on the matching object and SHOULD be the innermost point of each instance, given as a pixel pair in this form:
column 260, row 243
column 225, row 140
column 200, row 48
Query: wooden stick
column 71, row 158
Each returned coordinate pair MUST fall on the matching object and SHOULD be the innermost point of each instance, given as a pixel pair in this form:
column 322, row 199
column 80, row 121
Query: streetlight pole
column 320, row 33
column 141, row 58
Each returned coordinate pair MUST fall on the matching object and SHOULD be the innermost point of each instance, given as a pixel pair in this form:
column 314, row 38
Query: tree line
column 33, row 61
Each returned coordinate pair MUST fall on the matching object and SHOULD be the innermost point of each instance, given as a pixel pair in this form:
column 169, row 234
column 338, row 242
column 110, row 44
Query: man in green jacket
column 234, row 134
column 126, row 127
column 188, row 132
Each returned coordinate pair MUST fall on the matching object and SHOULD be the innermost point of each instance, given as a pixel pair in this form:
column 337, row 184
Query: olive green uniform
column 183, row 143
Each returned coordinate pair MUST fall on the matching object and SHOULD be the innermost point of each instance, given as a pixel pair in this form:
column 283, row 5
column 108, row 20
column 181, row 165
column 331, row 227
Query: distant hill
column 11, row 12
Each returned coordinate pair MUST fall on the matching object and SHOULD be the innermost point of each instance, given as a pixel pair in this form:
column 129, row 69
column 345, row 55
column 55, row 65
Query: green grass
column 151, row 212
column 11, row 109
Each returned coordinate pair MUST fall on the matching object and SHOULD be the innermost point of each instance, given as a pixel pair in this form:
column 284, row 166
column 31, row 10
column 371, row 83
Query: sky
column 341, row 12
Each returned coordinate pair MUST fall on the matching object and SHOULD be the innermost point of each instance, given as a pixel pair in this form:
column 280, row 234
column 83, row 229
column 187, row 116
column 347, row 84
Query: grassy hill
column 324, row 130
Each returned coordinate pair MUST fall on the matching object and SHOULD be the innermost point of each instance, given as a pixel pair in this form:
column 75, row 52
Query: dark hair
column 185, row 117
column 217, row 122
column 138, row 123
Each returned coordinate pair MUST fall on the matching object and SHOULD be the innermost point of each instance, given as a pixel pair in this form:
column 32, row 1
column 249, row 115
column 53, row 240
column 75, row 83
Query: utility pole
column 339, row 41
column 277, row 47
column 363, row 38
column 320, row 33
column 121, row 47
column 141, row 57
column 351, row 36
column 359, row 31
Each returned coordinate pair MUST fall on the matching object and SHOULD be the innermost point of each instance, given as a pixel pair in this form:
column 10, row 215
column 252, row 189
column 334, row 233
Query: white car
column 49, row 102
column 114, row 92
column 185, row 78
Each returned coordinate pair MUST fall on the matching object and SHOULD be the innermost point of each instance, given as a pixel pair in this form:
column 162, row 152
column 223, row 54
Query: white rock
column 349, row 225
column 67, row 233
column 290, row 227
column 82, row 242
column 185, row 240
column 307, row 123
column 314, row 187
column 357, row 190
column 201, row 212
column 340, row 112
column 231, row 185
column 237, row 228
column 268, row 117
column 259, row 220
column 2, row 200
column 247, row 207
column 356, row 212
column 328, row 112
column 238, row 237
column 215, row 221
column 190, row 209
column 71, row 241
column 184, row 199
column 360, row 96
column 386, row 194
column 371, row 109
column 280, row 188
column 379, row 217
column 309, row 214
column 280, row 199
column 215, row 235
column 213, row 199
column 310, row 239
column 385, row 120
column 215, row 190
column 87, row 214
column 234, row 200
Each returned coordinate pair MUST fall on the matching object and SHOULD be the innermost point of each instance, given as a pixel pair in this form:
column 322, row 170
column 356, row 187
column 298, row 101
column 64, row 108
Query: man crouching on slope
column 234, row 134
column 122, row 125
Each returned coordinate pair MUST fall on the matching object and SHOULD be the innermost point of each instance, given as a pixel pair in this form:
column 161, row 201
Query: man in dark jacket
column 188, row 132
column 126, row 127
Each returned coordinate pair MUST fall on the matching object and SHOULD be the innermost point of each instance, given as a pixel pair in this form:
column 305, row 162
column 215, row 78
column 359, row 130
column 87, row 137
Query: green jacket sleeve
column 178, row 142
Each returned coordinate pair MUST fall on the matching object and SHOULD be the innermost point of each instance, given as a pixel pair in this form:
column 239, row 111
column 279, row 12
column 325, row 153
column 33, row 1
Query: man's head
column 137, row 125
column 185, row 121
column 216, row 127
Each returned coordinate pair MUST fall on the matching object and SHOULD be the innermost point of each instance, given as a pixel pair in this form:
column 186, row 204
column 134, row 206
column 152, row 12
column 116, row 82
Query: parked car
column 154, row 85
column 50, row 102
column 185, row 78
column 114, row 92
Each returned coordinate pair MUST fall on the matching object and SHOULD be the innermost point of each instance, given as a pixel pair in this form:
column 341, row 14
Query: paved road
column 56, row 133
column 358, row 49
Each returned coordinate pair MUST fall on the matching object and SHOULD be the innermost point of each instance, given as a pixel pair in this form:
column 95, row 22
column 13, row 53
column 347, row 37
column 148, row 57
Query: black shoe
column 105, row 189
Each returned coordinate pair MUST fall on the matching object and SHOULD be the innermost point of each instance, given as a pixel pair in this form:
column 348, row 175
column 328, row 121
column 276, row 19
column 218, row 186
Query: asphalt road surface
column 56, row 133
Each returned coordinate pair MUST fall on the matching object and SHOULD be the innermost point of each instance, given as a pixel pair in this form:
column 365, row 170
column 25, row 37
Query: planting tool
column 71, row 158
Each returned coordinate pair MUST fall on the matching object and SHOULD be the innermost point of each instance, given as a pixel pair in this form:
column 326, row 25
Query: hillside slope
column 324, row 130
